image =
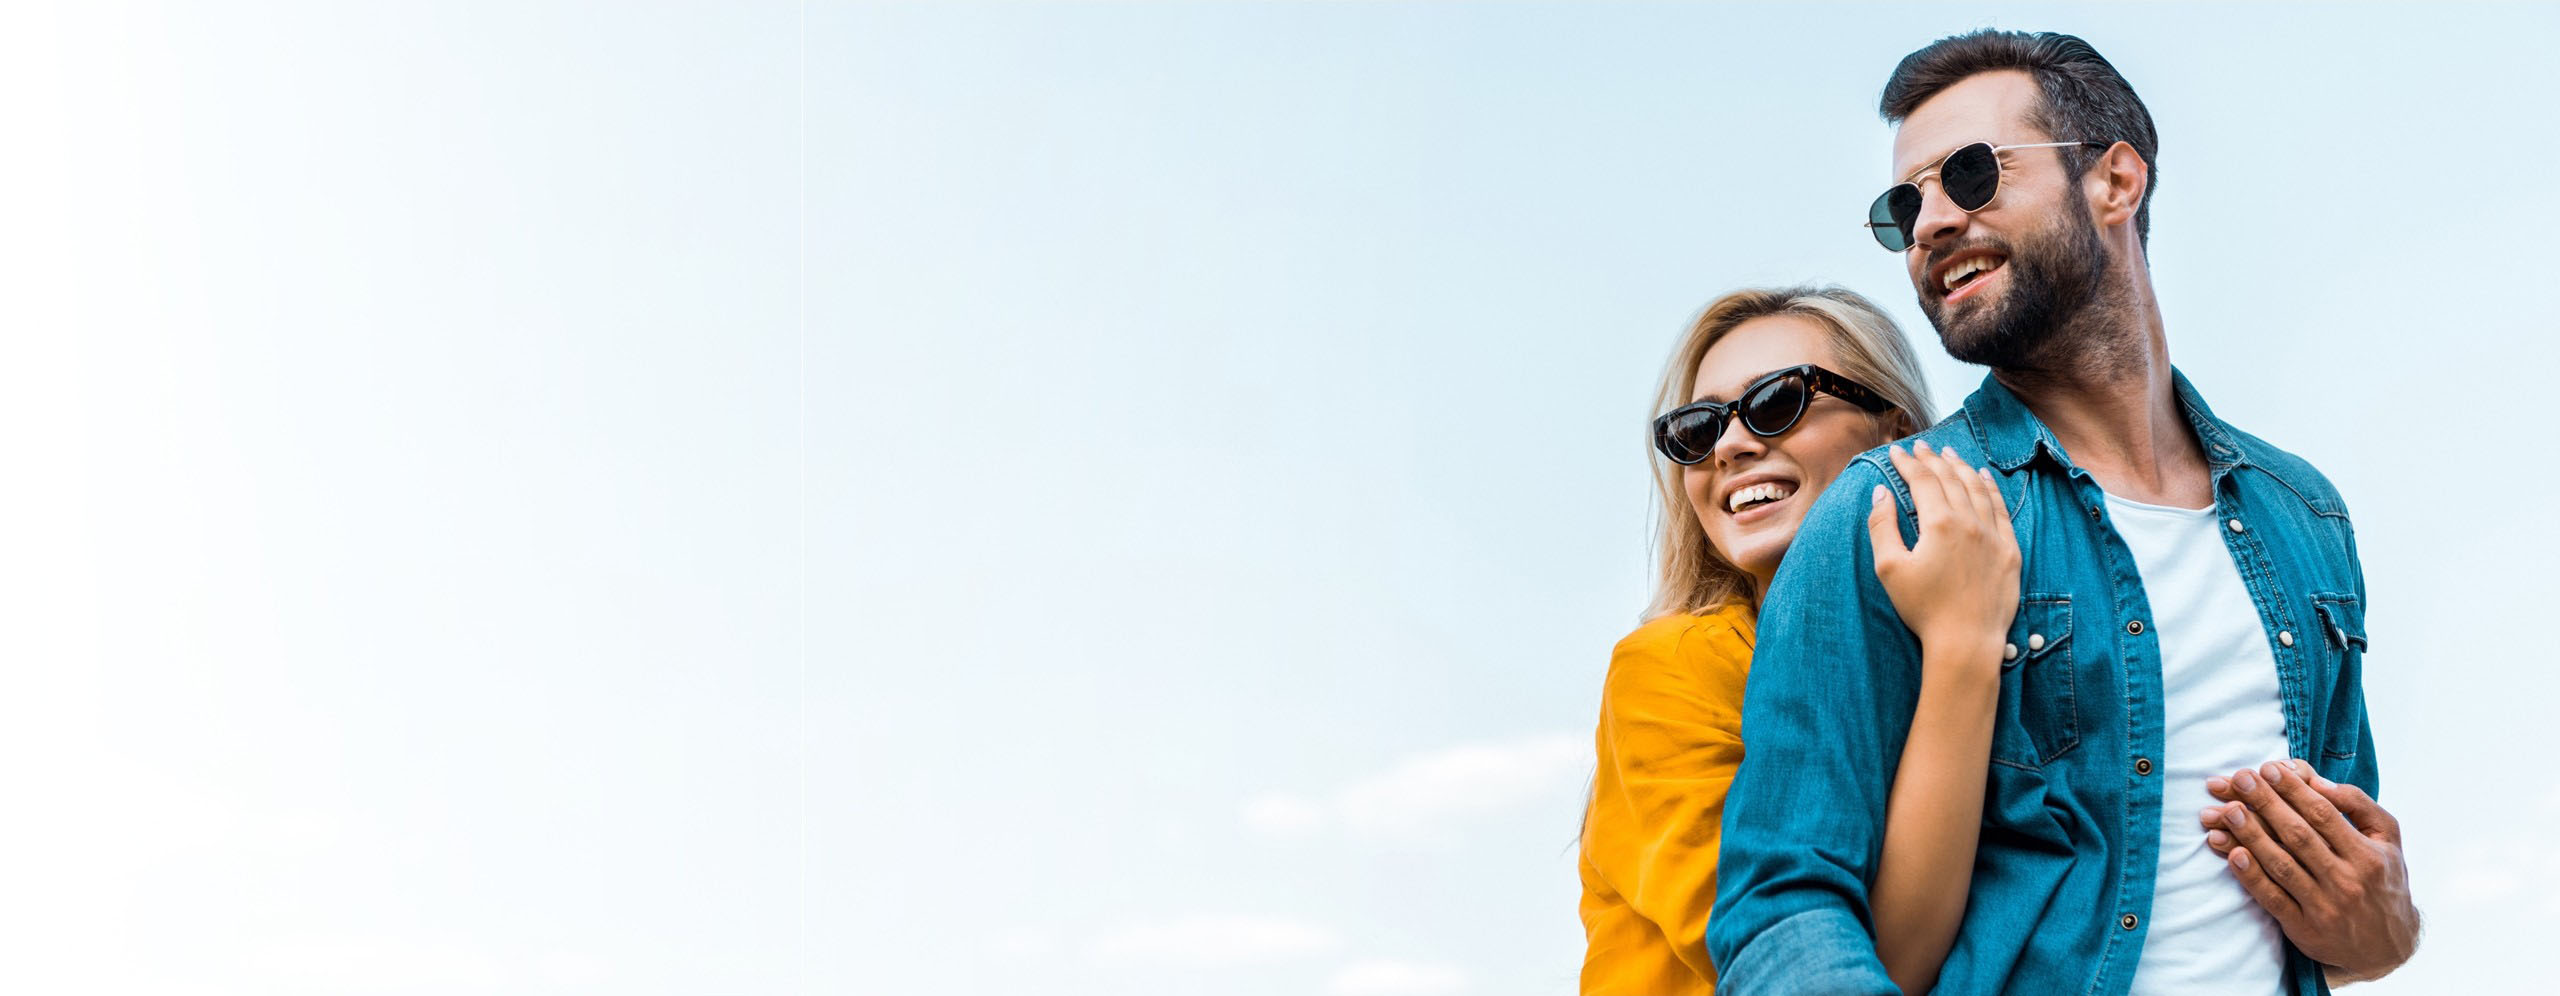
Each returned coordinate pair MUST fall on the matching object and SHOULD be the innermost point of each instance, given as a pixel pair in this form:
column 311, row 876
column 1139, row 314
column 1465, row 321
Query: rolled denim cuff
column 1818, row 951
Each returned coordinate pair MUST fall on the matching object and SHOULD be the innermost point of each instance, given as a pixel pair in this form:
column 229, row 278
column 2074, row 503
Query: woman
column 1775, row 391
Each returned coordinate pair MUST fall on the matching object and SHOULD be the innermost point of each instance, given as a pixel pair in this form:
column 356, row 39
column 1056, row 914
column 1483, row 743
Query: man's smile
column 1966, row 273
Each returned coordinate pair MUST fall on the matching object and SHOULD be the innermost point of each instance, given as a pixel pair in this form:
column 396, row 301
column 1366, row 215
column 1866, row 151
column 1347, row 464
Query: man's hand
column 2323, row 859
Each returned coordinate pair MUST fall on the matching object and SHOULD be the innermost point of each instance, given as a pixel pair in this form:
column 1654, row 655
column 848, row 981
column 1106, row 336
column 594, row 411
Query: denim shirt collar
column 2010, row 435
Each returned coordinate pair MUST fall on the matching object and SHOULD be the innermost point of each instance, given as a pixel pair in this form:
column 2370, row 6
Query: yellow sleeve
column 1670, row 739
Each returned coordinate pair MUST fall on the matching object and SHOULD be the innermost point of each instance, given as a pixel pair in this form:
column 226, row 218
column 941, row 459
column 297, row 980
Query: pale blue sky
column 1126, row 499
column 1253, row 400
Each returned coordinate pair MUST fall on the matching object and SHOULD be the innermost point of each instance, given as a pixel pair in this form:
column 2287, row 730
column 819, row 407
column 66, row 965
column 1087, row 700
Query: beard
column 2054, row 277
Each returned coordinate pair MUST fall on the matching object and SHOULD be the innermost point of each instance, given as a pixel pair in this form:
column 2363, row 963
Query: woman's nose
column 1738, row 443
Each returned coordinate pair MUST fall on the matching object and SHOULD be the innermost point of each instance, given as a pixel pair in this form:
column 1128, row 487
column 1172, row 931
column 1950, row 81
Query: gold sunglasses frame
column 1914, row 183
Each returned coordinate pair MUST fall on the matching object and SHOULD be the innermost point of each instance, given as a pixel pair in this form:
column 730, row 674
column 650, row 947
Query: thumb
column 1882, row 530
column 2368, row 816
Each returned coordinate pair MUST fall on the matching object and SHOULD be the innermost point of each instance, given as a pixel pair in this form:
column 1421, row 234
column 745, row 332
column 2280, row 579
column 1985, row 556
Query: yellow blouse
column 1670, row 738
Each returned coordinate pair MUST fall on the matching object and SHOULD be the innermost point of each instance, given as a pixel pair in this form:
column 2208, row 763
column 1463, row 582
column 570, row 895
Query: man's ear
column 2117, row 183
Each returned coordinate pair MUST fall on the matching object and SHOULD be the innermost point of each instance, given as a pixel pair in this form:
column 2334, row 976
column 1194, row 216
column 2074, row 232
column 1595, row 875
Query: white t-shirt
column 2224, row 710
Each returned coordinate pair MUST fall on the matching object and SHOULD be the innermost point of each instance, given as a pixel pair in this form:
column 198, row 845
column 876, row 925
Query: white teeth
column 1757, row 492
column 1969, row 266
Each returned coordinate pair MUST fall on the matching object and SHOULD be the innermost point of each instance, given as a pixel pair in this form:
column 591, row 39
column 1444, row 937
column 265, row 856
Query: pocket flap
column 2043, row 623
column 2342, row 618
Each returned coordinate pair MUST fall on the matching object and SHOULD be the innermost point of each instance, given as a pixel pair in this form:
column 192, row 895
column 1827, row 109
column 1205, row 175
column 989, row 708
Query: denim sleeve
column 1825, row 712
column 2366, row 772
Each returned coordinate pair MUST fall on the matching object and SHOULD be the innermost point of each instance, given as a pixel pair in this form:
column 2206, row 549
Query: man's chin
column 1967, row 333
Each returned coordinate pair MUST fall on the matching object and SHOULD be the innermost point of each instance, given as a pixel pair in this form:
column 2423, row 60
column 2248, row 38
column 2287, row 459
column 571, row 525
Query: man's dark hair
column 2084, row 98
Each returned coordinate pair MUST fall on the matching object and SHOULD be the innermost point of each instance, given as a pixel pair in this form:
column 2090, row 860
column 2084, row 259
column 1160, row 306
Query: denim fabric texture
column 2062, row 884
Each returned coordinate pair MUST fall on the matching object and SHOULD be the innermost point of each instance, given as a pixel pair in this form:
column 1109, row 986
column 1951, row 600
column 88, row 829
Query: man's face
column 1998, row 282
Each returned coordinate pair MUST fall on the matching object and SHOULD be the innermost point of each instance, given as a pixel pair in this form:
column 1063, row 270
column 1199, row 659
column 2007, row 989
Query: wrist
column 1963, row 643
column 1969, row 660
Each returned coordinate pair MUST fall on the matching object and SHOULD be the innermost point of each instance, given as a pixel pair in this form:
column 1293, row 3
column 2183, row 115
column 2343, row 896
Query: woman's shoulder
column 1721, row 633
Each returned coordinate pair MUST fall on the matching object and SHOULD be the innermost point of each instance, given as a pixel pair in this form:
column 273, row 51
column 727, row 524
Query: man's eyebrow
column 1924, row 167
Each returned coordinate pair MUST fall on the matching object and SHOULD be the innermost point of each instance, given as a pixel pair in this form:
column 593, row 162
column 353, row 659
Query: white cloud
column 1279, row 814
column 352, row 960
column 1028, row 943
column 2515, row 865
column 1379, row 977
column 1210, row 941
column 1423, row 793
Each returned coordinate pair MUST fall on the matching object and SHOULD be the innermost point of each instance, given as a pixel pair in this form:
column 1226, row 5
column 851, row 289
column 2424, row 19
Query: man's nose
column 1940, row 220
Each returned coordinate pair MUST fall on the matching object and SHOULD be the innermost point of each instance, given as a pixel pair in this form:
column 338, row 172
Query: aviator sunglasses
column 1769, row 407
column 1970, row 175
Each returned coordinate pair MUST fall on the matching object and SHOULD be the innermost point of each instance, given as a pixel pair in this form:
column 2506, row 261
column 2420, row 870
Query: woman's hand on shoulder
column 1959, row 584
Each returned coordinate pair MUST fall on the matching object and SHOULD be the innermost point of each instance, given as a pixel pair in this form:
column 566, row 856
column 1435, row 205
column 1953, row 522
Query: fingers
column 2290, row 780
column 2369, row 817
column 1965, row 486
column 1990, row 509
column 2254, row 848
column 2276, row 816
column 1999, row 505
column 1881, row 530
column 2253, row 876
column 1929, row 498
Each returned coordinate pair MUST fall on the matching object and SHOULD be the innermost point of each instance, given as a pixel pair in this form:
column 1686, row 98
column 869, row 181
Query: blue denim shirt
column 2062, row 884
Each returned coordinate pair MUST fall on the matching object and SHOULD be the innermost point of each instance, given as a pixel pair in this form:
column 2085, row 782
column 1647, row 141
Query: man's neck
column 2114, row 405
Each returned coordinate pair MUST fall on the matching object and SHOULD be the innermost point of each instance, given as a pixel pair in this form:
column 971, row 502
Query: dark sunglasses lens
column 1892, row 215
column 1691, row 436
column 1774, row 407
column 1972, row 175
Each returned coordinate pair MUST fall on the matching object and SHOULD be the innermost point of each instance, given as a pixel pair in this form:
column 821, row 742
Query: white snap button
column 2285, row 637
column 2035, row 641
column 2237, row 527
column 2008, row 651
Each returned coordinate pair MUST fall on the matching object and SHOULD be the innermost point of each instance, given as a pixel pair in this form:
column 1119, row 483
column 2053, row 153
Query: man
column 2193, row 609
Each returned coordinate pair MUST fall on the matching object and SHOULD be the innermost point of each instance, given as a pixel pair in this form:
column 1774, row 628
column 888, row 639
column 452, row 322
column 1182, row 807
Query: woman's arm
column 1935, row 816
column 1958, row 589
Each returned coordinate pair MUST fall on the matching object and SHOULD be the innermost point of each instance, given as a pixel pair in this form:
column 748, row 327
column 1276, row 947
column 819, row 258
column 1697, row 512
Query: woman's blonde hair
column 1866, row 347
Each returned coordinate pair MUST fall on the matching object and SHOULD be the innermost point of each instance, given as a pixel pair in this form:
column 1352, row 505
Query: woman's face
column 1793, row 466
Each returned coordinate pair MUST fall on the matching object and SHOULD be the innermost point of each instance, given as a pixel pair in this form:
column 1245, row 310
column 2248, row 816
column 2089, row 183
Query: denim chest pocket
column 2343, row 641
column 2039, row 714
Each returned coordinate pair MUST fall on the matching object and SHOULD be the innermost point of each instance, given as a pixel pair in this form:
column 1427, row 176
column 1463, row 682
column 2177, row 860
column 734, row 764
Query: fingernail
column 2246, row 783
column 2237, row 816
column 2217, row 785
column 1920, row 446
column 2217, row 839
column 2240, row 859
column 2323, row 782
column 2275, row 773
column 2209, row 815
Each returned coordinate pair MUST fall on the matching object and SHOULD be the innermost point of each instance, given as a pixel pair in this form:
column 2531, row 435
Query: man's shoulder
column 1954, row 432
column 1857, row 481
column 2294, row 473
column 1829, row 564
